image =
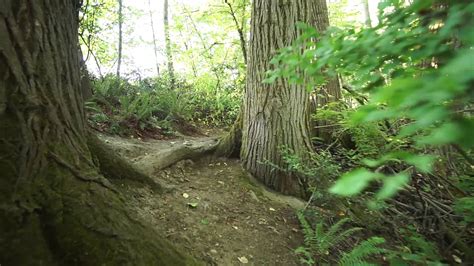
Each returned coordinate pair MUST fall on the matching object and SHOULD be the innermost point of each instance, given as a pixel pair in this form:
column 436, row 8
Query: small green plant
column 415, row 250
column 414, row 68
column 359, row 254
column 319, row 240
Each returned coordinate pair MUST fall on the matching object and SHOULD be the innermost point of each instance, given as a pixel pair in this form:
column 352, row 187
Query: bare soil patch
column 213, row 209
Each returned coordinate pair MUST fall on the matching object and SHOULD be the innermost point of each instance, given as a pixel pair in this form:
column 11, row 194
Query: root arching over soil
column 214, row 210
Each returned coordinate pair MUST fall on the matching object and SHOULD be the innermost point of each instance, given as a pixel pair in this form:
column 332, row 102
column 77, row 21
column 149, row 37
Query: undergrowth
column 148, row 108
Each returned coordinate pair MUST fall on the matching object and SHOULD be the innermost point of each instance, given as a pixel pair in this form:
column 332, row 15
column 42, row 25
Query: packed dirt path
column 213, row 209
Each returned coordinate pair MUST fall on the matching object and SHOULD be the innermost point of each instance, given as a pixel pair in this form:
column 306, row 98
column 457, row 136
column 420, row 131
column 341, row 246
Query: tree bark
column 331, row 91
column 275, row 116
column 55, row 207
column 169, row 53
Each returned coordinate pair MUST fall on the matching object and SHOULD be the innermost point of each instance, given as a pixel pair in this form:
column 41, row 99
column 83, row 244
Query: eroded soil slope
column 213, row 210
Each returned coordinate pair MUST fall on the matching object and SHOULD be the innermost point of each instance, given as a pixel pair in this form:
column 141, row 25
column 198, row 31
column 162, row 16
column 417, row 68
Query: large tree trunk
column 275, row 116
column 331, row 91
column 55, row 208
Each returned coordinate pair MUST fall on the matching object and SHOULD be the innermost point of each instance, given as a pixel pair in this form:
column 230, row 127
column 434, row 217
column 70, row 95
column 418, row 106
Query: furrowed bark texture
column 275, row 115
column 331, row 91
column 54, row 206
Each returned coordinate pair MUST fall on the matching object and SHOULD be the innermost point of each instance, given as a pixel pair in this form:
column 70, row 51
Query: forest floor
column 212, row 208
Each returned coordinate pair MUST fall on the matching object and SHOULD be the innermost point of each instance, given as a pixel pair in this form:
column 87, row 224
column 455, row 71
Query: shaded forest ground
column 212, row 208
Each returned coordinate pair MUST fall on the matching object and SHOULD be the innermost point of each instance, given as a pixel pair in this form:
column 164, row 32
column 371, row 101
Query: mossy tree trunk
column 230, row 144
column 275, row 116
column 55, row 207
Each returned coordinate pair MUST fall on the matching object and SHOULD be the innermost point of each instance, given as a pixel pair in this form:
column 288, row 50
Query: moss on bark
column 55, row 206
column 68, row 221
column 230, row 144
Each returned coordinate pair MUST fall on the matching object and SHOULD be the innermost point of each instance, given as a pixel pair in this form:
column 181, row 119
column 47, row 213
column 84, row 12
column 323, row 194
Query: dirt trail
column 214, row 211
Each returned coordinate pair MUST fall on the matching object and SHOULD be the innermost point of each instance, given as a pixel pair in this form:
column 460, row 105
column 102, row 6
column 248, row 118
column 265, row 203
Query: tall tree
column 57, row 208
column 169, row 53
column 275, row 116
column 368, row 20
column 240, row 27
column 331, row 91
column 155, row 46
column 120, row 41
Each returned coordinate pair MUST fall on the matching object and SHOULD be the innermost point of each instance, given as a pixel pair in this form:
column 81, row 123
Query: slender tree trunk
column 275, row 116
column 240, row 30
column 120, row 42
column 56, row 209
column 368, row 20
column 155, row 47
column 169, row 53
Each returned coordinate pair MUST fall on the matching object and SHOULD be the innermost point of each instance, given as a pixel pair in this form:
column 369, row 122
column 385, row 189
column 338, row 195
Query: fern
column 307, row 256
column 318, row 241
column 365, row 249
column 334, row 236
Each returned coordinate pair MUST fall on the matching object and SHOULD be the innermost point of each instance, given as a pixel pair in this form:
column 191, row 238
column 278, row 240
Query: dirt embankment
column 213, row 209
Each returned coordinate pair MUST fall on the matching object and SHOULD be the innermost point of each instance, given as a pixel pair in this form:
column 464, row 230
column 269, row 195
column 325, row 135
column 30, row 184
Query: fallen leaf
column 243, row 260
column 457, row 259
column 193, row 204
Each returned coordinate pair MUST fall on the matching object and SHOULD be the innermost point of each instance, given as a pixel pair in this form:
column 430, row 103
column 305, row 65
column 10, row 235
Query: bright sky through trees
column 139, row 60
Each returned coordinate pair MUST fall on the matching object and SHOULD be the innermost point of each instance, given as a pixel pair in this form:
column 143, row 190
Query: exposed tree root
column 169, row 156
column 230, row 144
column 112, row 166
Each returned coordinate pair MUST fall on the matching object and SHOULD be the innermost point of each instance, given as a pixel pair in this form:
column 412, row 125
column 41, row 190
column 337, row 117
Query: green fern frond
column 318, row 240
column 307, row 257
column 335, row 228
column 337, row 238
column 365, row 249
column 307, row 229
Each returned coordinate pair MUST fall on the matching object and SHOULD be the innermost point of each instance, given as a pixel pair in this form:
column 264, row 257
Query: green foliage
column 317, row 166
column 465, row 207
column 362, row 251
column 415, row 66
column 150, row 104
column 97, row 19
column 417, row 250
column 211, row 104
column 343, row 14
column 369, row 140
column 319, row 240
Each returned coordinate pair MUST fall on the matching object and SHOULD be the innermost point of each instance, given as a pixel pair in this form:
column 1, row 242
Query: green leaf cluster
column 415, row 66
